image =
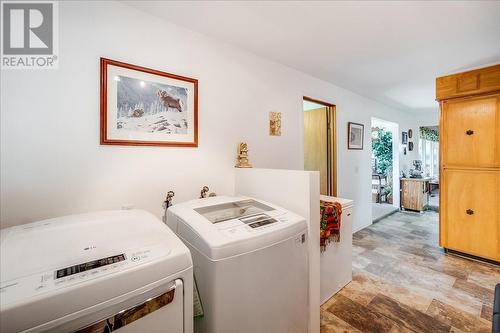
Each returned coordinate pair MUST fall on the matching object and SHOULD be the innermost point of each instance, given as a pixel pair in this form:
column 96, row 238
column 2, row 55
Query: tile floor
column 403, row 282
column 434, row 201
column 380, row 210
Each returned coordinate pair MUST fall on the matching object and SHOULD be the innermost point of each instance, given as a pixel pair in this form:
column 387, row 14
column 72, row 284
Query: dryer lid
column 57, row 267
column 64, row 241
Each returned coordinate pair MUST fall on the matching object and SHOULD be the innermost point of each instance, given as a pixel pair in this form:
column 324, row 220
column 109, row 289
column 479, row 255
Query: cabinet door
column 409, row 195
column 413, row 194
column 405, row 195
column 471, row 213
column 471, row 132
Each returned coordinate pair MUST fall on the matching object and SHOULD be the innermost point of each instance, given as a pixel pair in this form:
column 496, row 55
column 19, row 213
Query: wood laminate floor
column 403, row 282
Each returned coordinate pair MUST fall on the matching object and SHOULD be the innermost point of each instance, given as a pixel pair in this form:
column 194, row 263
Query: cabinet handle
column 469, row 212
column 469, row 132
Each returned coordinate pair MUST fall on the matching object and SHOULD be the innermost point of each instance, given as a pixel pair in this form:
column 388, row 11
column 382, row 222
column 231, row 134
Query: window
column 429, row 154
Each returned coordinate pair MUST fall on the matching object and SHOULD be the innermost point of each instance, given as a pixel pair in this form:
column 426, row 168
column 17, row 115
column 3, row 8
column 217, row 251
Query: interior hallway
column 403, row 282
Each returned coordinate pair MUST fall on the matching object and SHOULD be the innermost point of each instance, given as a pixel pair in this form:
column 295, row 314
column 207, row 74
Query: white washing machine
column 250, row 264
column 121, row 271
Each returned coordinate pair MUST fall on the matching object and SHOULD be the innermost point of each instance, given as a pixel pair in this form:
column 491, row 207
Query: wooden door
column 471, row 130
column 315, row 144
column 471, row 214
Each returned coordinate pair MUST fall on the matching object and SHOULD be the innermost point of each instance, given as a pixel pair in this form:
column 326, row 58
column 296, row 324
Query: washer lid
column 221, row 227
column 233, row 210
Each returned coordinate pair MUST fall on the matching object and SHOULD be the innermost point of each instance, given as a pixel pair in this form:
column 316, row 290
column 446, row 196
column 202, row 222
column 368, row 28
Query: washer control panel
column 60, row 277
column 257, row 221
column 242, row 227
column 89, row 265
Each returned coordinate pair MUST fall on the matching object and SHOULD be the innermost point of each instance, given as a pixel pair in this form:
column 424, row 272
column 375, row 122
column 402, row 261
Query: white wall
column 427, row 118
column 51, row 161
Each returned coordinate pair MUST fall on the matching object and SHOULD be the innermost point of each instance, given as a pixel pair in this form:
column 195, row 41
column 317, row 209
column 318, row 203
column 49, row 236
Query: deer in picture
column 169, row 101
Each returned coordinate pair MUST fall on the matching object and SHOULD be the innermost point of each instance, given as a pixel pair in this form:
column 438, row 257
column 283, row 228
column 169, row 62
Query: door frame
column 331, row 115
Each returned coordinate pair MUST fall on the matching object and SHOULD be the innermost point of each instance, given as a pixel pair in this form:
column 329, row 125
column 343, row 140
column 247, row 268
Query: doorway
column 385, row 168
column 320, row 143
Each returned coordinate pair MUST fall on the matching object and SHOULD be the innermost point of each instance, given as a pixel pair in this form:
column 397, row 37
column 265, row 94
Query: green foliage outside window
column 382, row 149
column 429, row 133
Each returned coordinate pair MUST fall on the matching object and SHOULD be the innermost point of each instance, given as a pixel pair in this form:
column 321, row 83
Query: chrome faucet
column 167, row 203
column 203, row 192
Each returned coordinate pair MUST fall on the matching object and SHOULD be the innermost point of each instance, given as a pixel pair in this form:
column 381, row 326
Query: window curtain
column 429, row 133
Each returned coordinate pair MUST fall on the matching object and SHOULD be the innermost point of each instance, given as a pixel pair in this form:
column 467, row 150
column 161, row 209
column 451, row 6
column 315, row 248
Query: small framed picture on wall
column 355, row 135
column 404, row 138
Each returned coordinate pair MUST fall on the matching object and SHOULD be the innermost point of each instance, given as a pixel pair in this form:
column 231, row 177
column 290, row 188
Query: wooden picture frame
column 145, row 107
column 355, row 136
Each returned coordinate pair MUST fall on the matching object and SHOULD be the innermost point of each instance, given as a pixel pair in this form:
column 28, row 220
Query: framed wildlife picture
column 355, row 133
column 146, row 107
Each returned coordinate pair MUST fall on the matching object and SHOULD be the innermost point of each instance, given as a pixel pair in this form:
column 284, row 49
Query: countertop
column 425, row 179
column 342, row 201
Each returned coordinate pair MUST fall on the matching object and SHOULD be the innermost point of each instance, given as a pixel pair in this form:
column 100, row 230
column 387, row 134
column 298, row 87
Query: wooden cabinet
column 471, row 198
column 471, row 83
column 471, row 130
column 470, row 162
column 414, row 193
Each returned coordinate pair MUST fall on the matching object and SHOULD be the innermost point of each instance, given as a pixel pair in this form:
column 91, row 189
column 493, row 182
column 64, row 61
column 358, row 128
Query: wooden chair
column 377, row 186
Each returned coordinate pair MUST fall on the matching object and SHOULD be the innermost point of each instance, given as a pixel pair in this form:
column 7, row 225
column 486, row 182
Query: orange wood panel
column 472, row 212
column 471, row 131
column 414, row 194
column 470, row 162
column 315, row 144
column 475, row 82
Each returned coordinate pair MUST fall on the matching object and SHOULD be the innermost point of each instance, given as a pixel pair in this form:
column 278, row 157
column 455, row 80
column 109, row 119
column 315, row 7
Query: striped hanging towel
column 330, row 214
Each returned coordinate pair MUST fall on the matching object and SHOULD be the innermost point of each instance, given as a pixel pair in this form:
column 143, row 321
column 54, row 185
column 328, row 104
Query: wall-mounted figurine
column 275, row 123
column 242, row 158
